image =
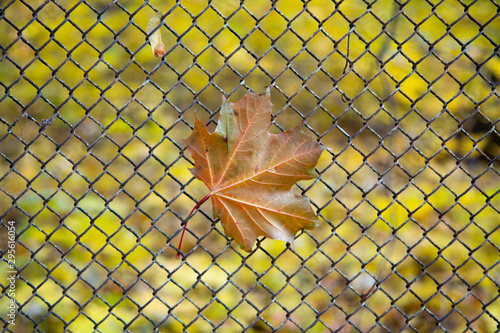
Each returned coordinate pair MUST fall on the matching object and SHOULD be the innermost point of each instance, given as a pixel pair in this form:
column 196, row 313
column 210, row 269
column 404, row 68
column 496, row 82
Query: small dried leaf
column 155, row 38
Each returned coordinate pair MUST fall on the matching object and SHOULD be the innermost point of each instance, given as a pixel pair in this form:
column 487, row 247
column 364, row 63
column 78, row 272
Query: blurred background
column 95, row 175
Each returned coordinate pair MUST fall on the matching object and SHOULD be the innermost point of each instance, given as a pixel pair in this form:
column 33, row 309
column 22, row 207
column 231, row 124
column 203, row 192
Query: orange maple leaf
column 250, row 171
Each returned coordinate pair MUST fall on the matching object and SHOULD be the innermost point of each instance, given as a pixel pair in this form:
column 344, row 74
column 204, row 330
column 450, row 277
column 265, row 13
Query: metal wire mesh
column 94, row 179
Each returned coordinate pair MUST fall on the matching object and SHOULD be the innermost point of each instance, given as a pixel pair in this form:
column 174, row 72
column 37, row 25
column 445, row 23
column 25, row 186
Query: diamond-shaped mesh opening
column 95, row 183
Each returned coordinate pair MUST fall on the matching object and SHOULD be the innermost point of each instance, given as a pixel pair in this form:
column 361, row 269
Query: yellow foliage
column 98, row 196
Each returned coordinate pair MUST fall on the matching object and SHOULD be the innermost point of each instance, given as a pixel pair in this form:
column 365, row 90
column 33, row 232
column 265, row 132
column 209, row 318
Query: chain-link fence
column 95, row 183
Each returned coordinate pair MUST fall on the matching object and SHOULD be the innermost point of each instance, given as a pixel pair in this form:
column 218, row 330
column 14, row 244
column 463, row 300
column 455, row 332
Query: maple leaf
column 250, row 171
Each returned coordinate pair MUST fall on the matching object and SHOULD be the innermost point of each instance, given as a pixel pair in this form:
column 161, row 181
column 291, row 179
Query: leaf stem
column 178, row 256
